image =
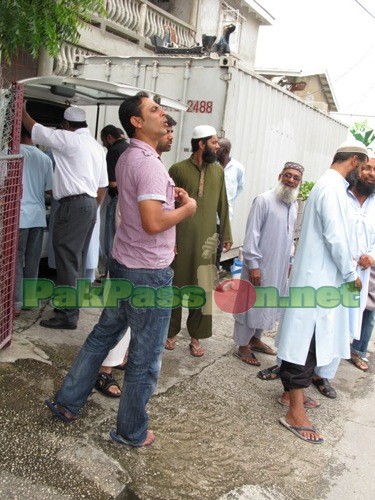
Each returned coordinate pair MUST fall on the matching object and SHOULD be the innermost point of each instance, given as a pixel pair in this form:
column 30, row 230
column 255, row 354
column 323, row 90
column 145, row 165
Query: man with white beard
column 266, row 255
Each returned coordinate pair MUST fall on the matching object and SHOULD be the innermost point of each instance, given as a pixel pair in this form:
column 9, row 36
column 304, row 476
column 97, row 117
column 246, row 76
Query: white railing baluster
column 138, row 16
column 130, row 14
column 69, row 55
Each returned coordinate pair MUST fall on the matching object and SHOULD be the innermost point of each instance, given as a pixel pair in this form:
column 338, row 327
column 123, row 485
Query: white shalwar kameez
column 362, row 239
column 323, row 259
column 92, row 259
column 267, row 246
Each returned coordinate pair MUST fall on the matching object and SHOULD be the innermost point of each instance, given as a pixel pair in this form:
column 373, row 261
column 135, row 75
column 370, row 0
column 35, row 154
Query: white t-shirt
column 80, row 164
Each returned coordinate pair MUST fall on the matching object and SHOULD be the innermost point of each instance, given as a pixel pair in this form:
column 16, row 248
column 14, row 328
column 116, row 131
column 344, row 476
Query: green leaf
column 304, row 190
column 30, row 25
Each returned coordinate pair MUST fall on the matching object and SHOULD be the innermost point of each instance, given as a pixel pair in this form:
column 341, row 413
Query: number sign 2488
column 199, row 106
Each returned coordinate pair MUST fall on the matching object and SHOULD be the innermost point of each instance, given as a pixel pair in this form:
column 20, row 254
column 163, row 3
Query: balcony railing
column 144, row 19
column 134, row 20
column 67, row 58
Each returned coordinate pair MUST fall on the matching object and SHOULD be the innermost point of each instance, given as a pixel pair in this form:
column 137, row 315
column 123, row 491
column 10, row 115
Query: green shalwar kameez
column 207, row 186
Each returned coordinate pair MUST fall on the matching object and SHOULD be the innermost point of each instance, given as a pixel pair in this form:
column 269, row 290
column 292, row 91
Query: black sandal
column 271, row 373
column 324, row 387
column 104, row 382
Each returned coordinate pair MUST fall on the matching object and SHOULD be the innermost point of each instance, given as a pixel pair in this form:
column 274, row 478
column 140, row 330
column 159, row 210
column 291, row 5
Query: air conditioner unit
column 227, row 62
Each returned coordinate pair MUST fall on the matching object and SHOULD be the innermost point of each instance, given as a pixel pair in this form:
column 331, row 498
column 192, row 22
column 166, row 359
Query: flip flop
column 265, row 349
column 296, row 430
column 120, row 440
column 271, row 373
column 170, row 344
column 196, row 351
column 359, row 363
column 247, row 357
column 308, row 403
column 325, row 388
column 60, row 412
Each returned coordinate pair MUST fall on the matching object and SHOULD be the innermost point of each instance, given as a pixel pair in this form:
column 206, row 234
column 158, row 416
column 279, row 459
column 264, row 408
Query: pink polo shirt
column 141, row 175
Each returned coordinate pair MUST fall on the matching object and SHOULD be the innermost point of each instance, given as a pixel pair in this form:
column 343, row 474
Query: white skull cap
column 352, row 146
column 74, row 114
column 202, row 131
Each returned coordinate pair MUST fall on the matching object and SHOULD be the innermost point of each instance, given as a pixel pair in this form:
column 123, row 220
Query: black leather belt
column 75, row 197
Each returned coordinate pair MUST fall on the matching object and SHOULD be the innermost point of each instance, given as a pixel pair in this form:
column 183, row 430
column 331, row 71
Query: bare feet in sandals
column 170, row 344
column 195, row 349
column 246, row 355
column 150, row 439
column 271, row 373
column 257, row 345
column 108, row 385
column 358, row 362
column 305, row 432
column 296, row 420
column 308, row 403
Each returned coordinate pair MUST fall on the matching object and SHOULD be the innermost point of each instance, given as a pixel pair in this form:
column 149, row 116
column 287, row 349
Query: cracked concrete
column 217, row 429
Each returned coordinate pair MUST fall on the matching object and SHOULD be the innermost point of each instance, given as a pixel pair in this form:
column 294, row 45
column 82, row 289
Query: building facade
column 131, row 27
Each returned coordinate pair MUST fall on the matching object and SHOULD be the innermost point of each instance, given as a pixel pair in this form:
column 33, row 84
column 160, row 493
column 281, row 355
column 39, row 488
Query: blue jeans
column 360, row 346
column 109, row 230
column 30, row 242
column 149, row 327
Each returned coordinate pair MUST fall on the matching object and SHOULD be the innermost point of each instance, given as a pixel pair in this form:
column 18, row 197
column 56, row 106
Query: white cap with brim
column 74, row 114
column 202, row 131
column 353, row 147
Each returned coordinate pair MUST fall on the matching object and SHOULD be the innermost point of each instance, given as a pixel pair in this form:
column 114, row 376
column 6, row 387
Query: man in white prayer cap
column 78, row 183
column 317, row 334
column 203, row 178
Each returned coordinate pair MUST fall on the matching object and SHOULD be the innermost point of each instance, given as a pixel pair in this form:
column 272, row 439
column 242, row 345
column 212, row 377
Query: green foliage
column 305, row 189
column 30, row 25
column 362, row 132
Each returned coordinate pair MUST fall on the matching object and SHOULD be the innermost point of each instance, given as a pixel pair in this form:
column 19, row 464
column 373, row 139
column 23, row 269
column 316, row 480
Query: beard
column 365, row 189
column 164, row 148
column 286, row 194
column 352, row 178
column 208, row 156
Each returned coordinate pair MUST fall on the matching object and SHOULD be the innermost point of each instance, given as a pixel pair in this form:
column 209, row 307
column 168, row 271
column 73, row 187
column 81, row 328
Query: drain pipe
column 182, row 113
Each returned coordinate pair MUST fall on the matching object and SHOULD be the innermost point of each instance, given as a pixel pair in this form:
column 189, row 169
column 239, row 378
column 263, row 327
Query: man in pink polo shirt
column 142, row 253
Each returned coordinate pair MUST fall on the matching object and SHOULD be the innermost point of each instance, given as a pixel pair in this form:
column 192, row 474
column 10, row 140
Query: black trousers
column 74, row 223
column 299, row 376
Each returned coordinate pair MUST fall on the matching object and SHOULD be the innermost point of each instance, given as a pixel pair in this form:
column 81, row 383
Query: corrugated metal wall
column 267, row 125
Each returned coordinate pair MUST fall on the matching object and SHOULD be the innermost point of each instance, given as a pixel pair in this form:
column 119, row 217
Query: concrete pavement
column 217, row 429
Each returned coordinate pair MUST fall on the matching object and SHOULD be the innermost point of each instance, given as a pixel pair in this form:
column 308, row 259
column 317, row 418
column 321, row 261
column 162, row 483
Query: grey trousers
column 30, row 242
column 242, row 334
column 74, row 223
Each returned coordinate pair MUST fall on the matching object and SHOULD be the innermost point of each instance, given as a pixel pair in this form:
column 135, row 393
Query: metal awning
column 67, row 91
